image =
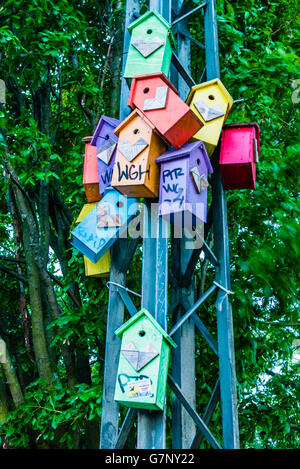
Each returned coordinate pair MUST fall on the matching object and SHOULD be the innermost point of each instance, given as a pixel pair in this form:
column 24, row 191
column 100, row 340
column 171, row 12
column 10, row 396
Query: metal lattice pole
column 188, row 427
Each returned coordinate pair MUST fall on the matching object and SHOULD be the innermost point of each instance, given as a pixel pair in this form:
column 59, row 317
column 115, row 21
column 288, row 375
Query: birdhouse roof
column 143, row 312
column 128, row 119
column 206, row 84
column 148, row 76
column 110, row 120
column 184, row 151
column 160, row 18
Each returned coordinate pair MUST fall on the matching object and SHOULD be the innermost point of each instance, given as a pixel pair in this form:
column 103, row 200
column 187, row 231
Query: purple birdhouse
column 184, row 183
column 106, row 142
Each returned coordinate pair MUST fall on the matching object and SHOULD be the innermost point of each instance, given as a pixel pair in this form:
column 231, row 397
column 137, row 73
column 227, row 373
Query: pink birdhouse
column 240, row 149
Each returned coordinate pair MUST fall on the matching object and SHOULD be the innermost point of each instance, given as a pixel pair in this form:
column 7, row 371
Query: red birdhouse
column 240, row 148
column 90, row 172
column 158, row 100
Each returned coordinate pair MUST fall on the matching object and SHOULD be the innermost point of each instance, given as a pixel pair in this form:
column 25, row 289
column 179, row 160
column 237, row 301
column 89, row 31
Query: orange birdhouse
column 90, row 172
column 136, row 173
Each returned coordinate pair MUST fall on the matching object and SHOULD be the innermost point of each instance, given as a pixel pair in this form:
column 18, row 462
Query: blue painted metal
column 221, row 246
column 152, row 426
column 183, row 358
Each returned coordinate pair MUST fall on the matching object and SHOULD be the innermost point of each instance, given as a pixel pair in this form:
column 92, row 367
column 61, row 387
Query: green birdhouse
column 143, row 364
column 151, row 45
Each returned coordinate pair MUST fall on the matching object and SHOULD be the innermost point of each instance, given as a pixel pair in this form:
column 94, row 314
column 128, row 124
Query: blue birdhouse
column 105, row 223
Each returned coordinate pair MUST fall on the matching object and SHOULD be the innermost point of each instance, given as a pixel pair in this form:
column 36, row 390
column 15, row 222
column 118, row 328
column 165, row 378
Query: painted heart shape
column 105, row 153
column 200, row 181
column 159, row 101
column 147, row 48
column 139, row 358
column 131, row 150
column 209, row 113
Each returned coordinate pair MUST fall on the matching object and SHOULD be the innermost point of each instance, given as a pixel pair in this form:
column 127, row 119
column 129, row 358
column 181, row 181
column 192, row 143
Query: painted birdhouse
column 151, row 45
column 211, row 102
column 102, row 267
column 143, row 363
column 136, row 173
column 90, row 172
column 106, row 143
column 105, row 223
column 184, row 183
column 240, row 148
column 158, row 100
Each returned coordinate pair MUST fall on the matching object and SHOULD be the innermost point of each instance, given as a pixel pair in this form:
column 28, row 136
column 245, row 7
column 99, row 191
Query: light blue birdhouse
column 104, row 224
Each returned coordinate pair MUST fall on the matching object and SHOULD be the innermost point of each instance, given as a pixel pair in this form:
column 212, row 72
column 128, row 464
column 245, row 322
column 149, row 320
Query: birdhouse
column 211, row 102
column 143, row 363
column 240, row 148
column 184, row 183
column 105, row 223
column 106, row 143
column 136, row 173
column 151, row 45
column 102, row 267
column 90, row 172
column 158, row 100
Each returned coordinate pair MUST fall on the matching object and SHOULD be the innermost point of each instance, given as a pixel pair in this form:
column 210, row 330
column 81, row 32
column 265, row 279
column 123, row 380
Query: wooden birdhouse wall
column 211, row 102
column 90, row 172
column 141, row 336
column 155, row 96
column 140, row 176
column 103, row 225
column 105, row 141
column 150, row 47
column 240, row 148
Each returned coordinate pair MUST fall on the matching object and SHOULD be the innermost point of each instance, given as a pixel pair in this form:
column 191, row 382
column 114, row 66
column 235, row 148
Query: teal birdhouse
column 151, row 45
column 143, row 364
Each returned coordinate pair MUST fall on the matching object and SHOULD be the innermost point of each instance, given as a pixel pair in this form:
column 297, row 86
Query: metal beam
column 192, row 309
column 197, row 419
column 221, row 246
column 152, row 426
column 115, row 312
column 213, row 402
column 126, row 428
column 183, row 72
column 183, row 357
column 188, row 14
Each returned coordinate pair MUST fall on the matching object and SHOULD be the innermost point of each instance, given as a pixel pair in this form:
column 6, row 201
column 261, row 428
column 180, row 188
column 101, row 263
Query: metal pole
column 183, row 357
column 115, row 313
column 221, row 245
column 152, row 425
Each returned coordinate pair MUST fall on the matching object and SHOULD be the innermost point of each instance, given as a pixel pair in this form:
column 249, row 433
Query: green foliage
column 53, row 415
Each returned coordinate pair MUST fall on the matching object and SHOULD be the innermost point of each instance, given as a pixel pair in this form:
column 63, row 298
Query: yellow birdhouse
column 211, row 103
column 102, row 267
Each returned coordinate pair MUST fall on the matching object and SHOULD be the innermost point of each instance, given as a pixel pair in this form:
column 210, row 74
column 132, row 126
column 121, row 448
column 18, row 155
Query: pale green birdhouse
column 143, row 364
column 151, row 45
